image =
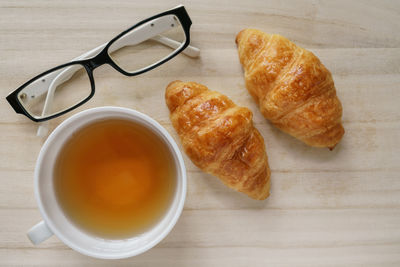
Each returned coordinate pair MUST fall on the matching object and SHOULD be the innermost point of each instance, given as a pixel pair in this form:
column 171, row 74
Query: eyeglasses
column 139, row 49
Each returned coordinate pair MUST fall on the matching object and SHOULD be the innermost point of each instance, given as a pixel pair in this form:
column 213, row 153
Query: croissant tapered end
column 294, row 90
column 219, row 137
column 239, row 36
column 178, row 93
column 250, row 42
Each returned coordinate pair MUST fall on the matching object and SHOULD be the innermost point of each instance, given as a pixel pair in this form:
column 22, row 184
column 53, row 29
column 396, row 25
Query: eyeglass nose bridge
column 101, row 59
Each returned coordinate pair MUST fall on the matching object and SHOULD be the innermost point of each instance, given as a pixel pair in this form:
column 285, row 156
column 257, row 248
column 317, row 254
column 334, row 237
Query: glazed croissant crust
column 293, row 88
column 219, row 137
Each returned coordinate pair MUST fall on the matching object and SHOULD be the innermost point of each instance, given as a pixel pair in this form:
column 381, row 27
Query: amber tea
column 114, row 178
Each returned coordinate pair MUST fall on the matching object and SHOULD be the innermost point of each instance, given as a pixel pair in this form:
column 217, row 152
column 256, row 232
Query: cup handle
column 39, row 233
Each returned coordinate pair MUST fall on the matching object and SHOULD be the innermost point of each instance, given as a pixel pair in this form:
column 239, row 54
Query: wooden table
column 336, row 208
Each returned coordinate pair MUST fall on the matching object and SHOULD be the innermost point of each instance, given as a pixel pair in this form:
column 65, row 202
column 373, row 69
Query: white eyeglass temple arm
column 190, row 51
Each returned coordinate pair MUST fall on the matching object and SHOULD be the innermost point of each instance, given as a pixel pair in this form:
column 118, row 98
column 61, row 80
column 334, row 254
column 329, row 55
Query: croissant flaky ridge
column 293, row 88
column 219, row 137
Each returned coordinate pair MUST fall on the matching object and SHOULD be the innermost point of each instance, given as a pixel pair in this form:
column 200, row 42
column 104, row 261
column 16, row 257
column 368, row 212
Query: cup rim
column 181, row 166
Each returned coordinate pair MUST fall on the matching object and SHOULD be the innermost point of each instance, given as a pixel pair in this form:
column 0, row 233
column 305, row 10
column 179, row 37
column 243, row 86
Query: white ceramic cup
column 54, row 220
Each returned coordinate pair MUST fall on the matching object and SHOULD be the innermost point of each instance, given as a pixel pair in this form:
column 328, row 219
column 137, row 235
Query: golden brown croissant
column 293, row 88
column 219, row 137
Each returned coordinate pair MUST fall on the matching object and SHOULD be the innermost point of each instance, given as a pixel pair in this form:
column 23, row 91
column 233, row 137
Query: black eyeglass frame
column 104, row 58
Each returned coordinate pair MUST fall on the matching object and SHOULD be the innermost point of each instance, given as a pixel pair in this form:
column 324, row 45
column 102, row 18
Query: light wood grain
column 339, row 208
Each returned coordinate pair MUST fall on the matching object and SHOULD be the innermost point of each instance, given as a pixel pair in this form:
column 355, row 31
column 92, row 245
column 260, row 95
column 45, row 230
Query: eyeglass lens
column 56, row 91
column 148, row 44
